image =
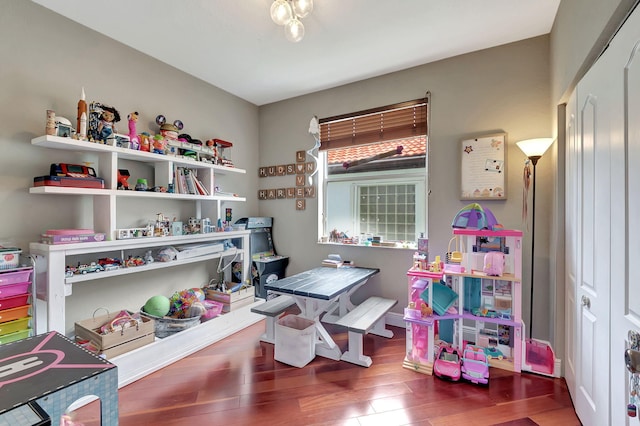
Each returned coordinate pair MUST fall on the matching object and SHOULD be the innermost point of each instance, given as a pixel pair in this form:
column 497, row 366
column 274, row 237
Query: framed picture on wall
column 484, row 167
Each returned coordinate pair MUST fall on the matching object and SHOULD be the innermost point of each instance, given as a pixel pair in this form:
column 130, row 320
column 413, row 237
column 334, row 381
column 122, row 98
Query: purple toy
column 474, row 216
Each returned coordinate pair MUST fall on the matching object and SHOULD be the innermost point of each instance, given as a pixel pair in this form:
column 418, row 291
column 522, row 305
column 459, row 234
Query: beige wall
column 513, row 88
column 504, row 89
column 46, row 59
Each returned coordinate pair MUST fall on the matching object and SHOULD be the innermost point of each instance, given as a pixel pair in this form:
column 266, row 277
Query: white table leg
column 343, row 305
column 312, row 309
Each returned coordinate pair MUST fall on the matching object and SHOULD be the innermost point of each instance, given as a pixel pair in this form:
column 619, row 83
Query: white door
column 572, row 227
column 593, row 247
column 624, row 53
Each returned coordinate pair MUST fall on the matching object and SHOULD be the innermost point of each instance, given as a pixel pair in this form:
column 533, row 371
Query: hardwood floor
column 237, row 382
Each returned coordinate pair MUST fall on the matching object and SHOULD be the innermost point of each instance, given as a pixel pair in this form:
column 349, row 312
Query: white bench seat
column 272, row 309
column 367, row 317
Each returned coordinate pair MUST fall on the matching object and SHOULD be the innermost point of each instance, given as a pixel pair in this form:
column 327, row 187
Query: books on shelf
column 187, row 182
column 333, row 260
column 71, row 236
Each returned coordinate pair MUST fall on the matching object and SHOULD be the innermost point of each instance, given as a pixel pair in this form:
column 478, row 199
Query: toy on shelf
column 493, row 352
column 102, row 119
column 123, row 179
column 133, row 134
column 437, row 265
column 475, row 216
column 145, row 141
column 81, row 123
column 168, row 133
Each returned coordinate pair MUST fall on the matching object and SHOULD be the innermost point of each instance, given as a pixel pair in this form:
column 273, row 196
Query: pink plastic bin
column 213, row 309
column 14, row 277
column 13, row 289
column 539, row 355
column 14, row 301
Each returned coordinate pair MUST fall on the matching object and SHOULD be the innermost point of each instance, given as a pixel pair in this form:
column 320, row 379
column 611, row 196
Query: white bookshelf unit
column 53, row 286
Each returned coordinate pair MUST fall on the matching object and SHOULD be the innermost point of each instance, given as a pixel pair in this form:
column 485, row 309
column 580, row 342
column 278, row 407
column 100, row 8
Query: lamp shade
column 535, row 147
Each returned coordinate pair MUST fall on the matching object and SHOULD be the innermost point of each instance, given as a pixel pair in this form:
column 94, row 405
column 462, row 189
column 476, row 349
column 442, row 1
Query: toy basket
column 213, row 309
column 455, row 256
column 167, row 326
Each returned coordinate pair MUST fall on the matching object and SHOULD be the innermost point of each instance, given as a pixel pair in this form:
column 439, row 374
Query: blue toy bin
column 443, row 298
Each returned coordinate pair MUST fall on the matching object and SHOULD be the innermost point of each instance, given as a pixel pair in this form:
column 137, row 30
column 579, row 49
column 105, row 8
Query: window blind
column 381, row 124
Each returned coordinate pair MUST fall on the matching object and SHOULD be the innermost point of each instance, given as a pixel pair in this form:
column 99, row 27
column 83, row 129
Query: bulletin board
column 484, row 167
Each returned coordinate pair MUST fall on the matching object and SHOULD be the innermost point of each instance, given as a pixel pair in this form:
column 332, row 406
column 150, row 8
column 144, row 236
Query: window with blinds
column 375, row 179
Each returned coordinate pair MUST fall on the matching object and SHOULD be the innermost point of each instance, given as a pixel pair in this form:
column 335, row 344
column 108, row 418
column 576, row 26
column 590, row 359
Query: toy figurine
column 106, row 126
column 145, row 144
column 159, row 144
column 123, row 178
column 169, row 131
column 133, row 134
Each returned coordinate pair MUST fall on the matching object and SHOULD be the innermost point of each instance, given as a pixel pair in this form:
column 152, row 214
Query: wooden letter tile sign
column 302, row 190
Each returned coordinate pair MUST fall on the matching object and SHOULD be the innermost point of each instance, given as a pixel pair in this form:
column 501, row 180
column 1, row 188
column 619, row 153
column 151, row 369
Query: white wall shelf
column 53, row 287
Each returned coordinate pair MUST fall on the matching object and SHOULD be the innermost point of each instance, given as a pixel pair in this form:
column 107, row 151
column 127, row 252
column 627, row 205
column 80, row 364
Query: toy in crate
column 181, row 311
column 114, row 333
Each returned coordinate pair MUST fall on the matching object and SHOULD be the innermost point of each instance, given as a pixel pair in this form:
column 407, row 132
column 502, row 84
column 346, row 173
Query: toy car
column 488, row 313
column 493, row 352
column 475, row 366
column 111, row 267
column 447, row 363
column 92, row 267
column 70, row 271
column 104, row 261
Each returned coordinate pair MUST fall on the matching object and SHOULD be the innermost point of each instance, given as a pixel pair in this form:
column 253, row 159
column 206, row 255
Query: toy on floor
column 447, row 364
column 475, row 366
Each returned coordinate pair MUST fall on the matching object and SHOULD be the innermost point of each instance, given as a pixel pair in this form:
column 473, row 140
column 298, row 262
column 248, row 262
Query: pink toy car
column 447, row 363
column 475, row 366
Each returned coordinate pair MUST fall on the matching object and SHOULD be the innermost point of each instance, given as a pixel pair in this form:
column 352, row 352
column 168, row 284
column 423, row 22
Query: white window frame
column 410, row 176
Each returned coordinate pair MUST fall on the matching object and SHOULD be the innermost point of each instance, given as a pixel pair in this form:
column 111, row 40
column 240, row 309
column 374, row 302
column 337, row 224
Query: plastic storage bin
column 15, row 325
column 17, row 335
column 540, row 356
column 15, row 277
column 295, row 340
column 14, row 313
column 14, row 289
column 9, row 257
column 14, row 301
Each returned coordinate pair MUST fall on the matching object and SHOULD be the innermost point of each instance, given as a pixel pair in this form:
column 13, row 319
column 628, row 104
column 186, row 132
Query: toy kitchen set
column 267, row 265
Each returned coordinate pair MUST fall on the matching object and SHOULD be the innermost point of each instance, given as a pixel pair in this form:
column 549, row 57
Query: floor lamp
column 534, row 149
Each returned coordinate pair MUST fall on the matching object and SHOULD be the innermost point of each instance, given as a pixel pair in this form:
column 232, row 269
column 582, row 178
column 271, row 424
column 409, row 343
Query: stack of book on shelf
column 335, row 261
column 187, row 182
column 71, row 236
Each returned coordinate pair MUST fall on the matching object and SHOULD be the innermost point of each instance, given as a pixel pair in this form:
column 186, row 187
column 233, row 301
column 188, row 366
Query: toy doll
column 106, row 126
column 133, row 134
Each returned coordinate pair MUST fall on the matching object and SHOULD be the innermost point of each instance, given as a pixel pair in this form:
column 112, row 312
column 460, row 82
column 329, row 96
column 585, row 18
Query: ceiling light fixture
column 289, row 13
